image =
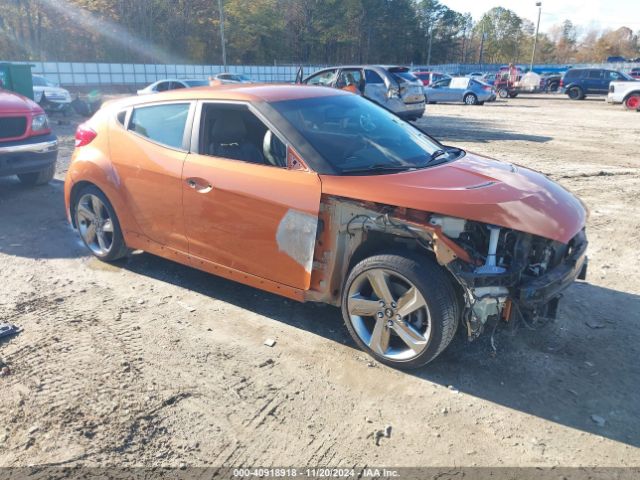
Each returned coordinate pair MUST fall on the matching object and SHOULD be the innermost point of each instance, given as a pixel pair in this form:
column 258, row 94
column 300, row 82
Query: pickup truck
column 27, row 146
column 625, row 92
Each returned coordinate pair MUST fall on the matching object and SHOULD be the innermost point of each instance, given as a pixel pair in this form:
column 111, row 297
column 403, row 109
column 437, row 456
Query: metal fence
column 100, row 74
column 138, row 74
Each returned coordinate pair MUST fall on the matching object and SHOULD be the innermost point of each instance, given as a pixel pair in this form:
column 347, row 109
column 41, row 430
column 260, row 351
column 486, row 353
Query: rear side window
column 595, row 74
column 372, row 77
column 163, row 124
column 573, row 74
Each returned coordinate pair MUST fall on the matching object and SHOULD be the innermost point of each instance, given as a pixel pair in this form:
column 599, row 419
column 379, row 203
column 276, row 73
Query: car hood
column 474, row 188
column 14, row 103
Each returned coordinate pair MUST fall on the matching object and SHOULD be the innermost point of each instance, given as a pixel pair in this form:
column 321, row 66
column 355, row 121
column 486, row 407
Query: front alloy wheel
column 401, row 309
column 389, row 314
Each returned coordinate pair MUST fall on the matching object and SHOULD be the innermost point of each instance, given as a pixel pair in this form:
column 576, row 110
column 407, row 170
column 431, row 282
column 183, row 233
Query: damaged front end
column 500, row 273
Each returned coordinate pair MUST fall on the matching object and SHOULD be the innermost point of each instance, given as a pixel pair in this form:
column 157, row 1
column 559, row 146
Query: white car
column 172, row 84
column 226, row 78
column 49, row 94
column 627, row 92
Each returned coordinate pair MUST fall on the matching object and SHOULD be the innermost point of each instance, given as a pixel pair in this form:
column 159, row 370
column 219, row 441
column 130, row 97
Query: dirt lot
column 151, row 363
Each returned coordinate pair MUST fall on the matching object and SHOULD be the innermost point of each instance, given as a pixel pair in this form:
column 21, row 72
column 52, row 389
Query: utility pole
column 429, row 49
column 224, row 47
column 535, row 40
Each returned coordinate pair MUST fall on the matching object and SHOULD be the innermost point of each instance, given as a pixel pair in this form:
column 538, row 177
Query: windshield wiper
column 379, row 167
column 439, row 153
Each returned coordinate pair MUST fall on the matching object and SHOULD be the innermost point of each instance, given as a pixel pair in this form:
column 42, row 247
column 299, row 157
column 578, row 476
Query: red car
column 27, row 146
column 427, row 78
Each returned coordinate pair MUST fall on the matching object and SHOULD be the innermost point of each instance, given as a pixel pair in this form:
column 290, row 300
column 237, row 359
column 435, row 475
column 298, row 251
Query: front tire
column 401, row 309
column 98, row 225
column 470, row 99
column 38, row 178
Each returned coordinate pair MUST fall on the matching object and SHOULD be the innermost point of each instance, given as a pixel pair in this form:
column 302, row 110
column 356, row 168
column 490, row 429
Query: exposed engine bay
column 501, row 274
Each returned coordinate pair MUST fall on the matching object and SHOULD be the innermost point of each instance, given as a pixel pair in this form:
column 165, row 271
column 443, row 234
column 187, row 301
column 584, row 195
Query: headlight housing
column 39, row 122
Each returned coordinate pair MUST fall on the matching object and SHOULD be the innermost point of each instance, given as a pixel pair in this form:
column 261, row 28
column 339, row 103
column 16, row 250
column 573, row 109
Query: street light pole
column 535, row 40
column 224, row 47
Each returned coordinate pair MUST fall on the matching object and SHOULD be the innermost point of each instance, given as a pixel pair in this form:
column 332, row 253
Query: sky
column 611, row 14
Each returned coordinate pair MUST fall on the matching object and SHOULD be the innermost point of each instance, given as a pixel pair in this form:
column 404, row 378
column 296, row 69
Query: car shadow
column 33, row 221
column 582, row 364
column 464, row 129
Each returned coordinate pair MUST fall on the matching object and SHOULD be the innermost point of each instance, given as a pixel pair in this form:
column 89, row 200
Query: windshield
column 356, row 136
column 196, row 83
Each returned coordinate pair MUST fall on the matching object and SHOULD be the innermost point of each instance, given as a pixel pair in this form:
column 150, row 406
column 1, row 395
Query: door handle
column 199, row 185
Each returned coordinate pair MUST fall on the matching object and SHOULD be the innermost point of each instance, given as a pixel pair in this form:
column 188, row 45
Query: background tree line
column 290, row 31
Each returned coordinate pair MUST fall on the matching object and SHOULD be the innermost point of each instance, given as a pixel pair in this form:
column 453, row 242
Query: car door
column 148, row 154
column 594, row 82
column 245, row 207
column 374, row 87
column 439, row 91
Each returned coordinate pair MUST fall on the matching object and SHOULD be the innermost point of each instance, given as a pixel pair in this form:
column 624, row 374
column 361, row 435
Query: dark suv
column 577, row 83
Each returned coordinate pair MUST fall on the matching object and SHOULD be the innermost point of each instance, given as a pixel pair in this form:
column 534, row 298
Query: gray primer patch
column 296, row 236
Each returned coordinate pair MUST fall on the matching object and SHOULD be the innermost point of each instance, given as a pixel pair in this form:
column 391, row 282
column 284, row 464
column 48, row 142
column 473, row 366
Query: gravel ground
column 149, row 363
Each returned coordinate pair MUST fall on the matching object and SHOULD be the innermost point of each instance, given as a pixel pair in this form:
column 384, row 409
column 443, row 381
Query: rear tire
column 632, row 102
column 575, row 93
column 38, row 178
column 413, row 284
column 503, row 93
column 98, row 224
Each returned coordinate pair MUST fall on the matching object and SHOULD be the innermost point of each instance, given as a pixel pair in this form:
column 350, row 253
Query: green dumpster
column 17, row 78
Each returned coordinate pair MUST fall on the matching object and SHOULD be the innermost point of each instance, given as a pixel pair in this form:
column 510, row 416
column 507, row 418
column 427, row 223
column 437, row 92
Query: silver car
column 393, row 87
column 470, row 91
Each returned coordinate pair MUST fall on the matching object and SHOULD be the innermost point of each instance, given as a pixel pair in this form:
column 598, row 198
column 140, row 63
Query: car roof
column 238, row 92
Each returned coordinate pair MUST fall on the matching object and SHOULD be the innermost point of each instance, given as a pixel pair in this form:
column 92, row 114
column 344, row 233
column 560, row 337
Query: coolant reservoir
column 452, row 227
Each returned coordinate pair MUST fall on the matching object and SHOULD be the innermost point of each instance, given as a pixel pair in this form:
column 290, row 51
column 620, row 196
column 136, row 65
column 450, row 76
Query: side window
column 176, row 85
column 372, row 77
column 323, row 78
column 121, row 117
column 614, row 76
column 235, row 133
column 351, row 80
column 595, row 74
column 161, row 123
column 163, row 86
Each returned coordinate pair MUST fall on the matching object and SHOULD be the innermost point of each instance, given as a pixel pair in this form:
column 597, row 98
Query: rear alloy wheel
column 401, row 310
column 38, row 178
column 575, row 93
column 98, row 225
column 632, row 102
column 470, row 99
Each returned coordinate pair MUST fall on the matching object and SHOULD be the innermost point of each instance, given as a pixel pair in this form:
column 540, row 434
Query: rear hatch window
column 402, row 74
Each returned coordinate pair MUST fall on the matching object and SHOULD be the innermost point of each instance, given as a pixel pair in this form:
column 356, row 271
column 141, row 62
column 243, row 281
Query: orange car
column 320, row 195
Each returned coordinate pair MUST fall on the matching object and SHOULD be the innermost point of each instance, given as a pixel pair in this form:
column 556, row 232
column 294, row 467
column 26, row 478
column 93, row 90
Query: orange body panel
column 151, row 185
column 254, row 218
